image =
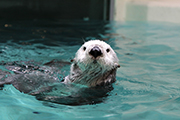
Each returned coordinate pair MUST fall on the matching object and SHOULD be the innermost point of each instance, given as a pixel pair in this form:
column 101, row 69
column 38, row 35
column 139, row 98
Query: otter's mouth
column 94, row 61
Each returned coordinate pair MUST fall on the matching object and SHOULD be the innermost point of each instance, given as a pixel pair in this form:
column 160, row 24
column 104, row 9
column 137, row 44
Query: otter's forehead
column 96, row 42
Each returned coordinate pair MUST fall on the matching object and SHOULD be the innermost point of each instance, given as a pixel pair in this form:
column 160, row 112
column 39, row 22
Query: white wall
column 147, row 10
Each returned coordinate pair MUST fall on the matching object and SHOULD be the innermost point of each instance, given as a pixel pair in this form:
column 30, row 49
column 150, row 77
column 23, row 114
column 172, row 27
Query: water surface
column 147, row 86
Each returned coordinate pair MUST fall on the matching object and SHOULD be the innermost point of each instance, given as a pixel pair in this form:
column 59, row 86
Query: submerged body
column 94, row 66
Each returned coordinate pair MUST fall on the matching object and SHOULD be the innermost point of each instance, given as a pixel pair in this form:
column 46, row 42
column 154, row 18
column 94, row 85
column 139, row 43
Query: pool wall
column 54, row 9
column 147, row 10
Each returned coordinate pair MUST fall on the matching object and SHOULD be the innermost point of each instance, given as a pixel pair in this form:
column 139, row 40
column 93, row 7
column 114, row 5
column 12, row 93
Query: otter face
column 96, row 53
column 95, row 64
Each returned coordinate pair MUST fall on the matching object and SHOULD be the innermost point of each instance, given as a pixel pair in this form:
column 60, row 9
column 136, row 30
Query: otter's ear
column 117, row 65
column 72, row 60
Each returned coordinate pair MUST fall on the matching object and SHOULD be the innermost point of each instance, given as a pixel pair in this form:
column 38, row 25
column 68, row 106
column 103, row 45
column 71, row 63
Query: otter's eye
column 84, row 48
column 107, row 50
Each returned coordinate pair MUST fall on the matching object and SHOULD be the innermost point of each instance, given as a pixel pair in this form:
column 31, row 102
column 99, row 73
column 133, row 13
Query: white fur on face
column 107, row 61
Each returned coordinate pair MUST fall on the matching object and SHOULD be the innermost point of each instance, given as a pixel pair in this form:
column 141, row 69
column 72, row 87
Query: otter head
column 95, row 64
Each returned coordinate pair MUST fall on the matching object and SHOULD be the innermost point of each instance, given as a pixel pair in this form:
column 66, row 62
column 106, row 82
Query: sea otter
column 94, row 66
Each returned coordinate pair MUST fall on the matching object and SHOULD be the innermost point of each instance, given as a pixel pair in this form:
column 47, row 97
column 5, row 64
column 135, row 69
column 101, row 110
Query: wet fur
column 90, row 71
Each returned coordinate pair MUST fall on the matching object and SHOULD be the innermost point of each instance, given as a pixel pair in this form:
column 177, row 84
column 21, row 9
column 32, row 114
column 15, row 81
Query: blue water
column 148, row 82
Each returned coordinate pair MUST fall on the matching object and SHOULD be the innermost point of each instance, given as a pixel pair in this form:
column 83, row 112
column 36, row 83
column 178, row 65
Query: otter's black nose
column 95, row 52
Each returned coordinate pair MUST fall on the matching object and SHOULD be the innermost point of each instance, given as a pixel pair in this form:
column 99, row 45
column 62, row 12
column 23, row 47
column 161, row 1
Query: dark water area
column 51, row 32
